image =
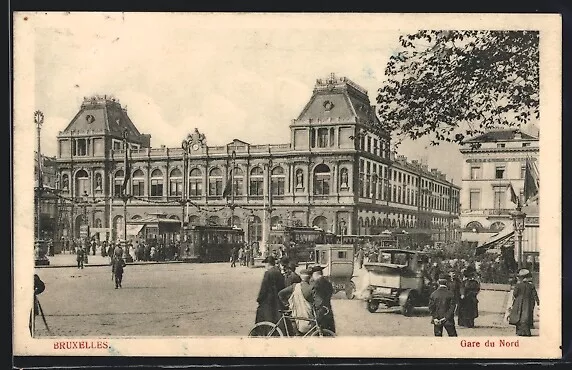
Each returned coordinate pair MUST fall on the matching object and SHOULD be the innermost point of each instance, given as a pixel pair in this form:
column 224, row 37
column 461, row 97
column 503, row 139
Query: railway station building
column 336, row 172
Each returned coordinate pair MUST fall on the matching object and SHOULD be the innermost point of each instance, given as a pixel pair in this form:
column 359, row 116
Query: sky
column 230, row 79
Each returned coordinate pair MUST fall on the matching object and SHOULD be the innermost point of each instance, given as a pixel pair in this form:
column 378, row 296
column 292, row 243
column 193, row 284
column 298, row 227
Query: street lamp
column 232, row 190
column 39, row 120
column 250, row 244
column 186, row 146
column 518, row 218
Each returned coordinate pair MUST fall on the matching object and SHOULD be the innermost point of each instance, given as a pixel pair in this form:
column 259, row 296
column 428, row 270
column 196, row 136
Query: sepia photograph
column 206, row 184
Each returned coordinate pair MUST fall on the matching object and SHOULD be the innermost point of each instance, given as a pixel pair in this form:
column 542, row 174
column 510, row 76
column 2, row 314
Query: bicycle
column 269, row 329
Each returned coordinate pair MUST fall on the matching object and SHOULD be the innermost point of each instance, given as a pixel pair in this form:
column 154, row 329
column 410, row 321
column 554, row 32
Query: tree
column 451, row 85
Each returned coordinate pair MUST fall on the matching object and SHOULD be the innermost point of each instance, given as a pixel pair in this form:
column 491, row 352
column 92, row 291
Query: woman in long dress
column 468, row 308
column 525, row 298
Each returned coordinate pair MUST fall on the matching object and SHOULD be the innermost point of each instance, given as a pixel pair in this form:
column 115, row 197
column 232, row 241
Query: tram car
column 202, row 243
column 297, row 242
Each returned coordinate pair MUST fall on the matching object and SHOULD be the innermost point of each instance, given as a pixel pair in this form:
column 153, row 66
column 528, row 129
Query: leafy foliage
column 450, row 85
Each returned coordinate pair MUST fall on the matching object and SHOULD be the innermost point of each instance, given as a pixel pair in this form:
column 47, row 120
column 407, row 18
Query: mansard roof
column 502, row 135
column 338, row 100
column 105, row 115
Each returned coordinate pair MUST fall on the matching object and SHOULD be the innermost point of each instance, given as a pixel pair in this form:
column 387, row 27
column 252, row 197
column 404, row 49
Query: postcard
column 287, row 185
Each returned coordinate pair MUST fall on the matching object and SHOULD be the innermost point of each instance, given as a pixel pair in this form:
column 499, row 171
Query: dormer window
column 500, row 145
column 524, row 145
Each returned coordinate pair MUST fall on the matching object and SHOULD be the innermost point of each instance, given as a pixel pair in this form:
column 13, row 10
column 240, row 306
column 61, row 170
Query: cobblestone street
column 208, row 300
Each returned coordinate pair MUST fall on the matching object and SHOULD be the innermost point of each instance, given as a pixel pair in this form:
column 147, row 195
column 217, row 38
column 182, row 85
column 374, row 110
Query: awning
column 496, row 241
column 133, row 230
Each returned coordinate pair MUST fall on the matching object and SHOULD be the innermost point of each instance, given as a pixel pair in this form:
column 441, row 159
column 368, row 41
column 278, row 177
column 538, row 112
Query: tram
column 297, row 242
column 203, row 243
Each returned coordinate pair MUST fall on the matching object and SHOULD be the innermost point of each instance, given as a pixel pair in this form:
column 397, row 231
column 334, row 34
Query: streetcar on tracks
column 204, row 243
column 297, row 242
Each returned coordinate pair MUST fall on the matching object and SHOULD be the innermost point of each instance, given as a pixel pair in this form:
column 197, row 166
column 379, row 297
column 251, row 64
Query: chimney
column 517, row 134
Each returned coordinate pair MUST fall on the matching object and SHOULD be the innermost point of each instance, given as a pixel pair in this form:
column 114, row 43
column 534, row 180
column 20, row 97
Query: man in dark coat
column 454, row 285
column 525, row 298
column 268, row 301
column 118, row 265
column 80, row 258
column 469, row 304
column 442, row 308
column 322, row 291
column 291, row 277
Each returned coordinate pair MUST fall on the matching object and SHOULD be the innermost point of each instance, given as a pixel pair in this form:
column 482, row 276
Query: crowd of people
column 307, row 294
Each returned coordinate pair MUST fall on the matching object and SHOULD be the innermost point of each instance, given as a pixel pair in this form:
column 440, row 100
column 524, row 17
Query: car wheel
column 372, row 306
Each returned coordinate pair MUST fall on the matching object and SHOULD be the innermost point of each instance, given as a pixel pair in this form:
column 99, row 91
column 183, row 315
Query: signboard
column 84, row 231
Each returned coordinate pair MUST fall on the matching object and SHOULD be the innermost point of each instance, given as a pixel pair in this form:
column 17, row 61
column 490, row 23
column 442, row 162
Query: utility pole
column 232, row 206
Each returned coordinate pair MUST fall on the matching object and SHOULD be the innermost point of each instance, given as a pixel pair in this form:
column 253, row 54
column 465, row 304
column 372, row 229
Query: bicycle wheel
column 265, row 329
column 323, row 333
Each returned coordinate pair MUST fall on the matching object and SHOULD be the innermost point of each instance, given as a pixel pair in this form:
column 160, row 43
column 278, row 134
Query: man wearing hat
column 468, row 302
column 290, row 275
column 268, row 302
column 525, row 298
column 322, row 291
column 442, row 307
column 298, row 297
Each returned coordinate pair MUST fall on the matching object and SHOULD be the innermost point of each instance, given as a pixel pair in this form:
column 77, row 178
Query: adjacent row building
column 336, row 171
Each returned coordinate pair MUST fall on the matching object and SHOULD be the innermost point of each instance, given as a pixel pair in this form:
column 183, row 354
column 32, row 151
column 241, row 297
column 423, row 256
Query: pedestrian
column 298, row 297
column 39, row 287
column 240, row 255
column 118, row 266
column 93, row 246
column 110, row 251
column 291, row 277
column 455, row 285
column 152, row 253
column 268, row 301
column 132, row 252
column 233, row 256
column 360, row 257
column 322, row 291
column 442, row 308
column 525, row 297
column 80, row 257
column 468, row 309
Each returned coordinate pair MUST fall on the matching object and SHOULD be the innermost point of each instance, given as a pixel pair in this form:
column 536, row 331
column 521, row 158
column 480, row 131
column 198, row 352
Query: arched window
column 474, row 226
column 176, row 183
column 322, row 180
column 213, row 220
column 321, row 222
column 157, row 183
column 82, row 183
column 497, row 226
column 238, row 181
column 236, row 221
column 275, row 222
column 215, row 182
column 194, row 220
column 138, row 183
column 393, row 223
column 118, row 183
column 257, row 181
column 195, row 183
column 278, row 181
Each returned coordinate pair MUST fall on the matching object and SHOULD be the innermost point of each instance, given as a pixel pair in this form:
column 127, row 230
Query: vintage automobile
column 338, row 263
column 398, row 281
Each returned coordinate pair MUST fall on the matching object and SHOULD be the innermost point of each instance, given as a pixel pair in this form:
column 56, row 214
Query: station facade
column 337, row 172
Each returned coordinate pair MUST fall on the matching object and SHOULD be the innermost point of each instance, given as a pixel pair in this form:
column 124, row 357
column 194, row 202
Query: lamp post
column 39, row 120
column 518, row 218
column 250, row 244
column 125, row 197
column 186, row 146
